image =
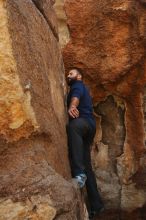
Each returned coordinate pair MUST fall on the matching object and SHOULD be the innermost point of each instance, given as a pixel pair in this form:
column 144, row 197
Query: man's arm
column 73, row 111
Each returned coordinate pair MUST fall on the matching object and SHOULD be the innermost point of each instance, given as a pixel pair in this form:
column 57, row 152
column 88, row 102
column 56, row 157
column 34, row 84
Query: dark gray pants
column 80, row 136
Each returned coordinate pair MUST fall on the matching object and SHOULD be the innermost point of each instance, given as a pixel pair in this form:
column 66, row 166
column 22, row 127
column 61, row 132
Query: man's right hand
column 73, row 112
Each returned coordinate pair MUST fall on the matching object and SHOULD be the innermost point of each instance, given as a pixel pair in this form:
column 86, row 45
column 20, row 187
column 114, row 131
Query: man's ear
column 79, row 76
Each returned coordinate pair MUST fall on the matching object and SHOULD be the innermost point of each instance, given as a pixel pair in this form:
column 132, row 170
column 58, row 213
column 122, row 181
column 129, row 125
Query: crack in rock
column 41, row 10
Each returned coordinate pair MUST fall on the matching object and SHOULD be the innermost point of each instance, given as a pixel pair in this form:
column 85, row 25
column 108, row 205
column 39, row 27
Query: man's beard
column 71, row 81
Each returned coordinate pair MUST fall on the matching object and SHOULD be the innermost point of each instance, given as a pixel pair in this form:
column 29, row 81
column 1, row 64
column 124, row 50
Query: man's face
column 72, row 76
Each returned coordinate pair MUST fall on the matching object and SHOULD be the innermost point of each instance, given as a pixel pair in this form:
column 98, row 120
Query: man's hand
column 73, row 111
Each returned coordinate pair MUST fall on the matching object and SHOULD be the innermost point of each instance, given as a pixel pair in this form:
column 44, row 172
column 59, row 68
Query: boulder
column 34, row 162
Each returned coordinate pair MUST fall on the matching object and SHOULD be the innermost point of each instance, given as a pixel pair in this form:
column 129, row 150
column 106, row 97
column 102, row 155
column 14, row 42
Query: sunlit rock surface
column 34, row 168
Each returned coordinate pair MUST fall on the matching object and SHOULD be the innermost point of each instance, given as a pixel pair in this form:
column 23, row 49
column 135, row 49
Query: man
column 81, row 131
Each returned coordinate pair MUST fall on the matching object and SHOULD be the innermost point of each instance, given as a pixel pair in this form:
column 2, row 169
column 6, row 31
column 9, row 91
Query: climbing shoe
column 94, row 213
column 81, row 179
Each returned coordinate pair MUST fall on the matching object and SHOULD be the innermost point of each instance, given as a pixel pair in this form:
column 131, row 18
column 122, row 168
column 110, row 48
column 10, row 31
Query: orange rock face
column 33, row 145
column 107, row 40
column 38, row 63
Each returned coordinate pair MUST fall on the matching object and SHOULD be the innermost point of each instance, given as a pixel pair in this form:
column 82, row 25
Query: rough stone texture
column 46, row 9
column 62, row 26
column 40, row 72
column 47, row 198
column 15, row 211
column 109, row 148
column 107, row 40
column 34, row 167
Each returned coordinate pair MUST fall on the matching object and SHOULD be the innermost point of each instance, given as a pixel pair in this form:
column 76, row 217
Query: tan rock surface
column 40, row 72
column 33, row 145
column 16, row 111
column 64, row 35
column 14, row 211
column 48, row 197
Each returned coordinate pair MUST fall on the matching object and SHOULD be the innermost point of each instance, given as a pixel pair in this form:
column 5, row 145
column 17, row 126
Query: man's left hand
column 73, row 112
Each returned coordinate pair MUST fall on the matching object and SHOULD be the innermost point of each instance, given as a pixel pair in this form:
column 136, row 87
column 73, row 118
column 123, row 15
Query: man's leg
column 95, row 200
column 76, row 130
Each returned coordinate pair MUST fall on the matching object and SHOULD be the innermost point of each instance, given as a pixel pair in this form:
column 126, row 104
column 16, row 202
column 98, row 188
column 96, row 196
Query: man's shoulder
column 77, row 84
column 77, row 89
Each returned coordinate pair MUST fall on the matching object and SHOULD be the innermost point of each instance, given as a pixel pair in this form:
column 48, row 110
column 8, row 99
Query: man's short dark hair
column 79, row 70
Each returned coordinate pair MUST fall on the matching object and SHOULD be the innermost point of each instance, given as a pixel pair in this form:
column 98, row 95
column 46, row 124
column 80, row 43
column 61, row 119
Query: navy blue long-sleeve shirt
column 85, row 108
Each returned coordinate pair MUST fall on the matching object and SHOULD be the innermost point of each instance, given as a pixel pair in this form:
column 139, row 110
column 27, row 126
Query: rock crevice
column 45, row 7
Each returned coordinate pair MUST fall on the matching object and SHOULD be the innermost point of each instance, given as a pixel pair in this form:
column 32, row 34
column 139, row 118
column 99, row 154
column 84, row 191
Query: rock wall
column 107, row 40
column 34, row 167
